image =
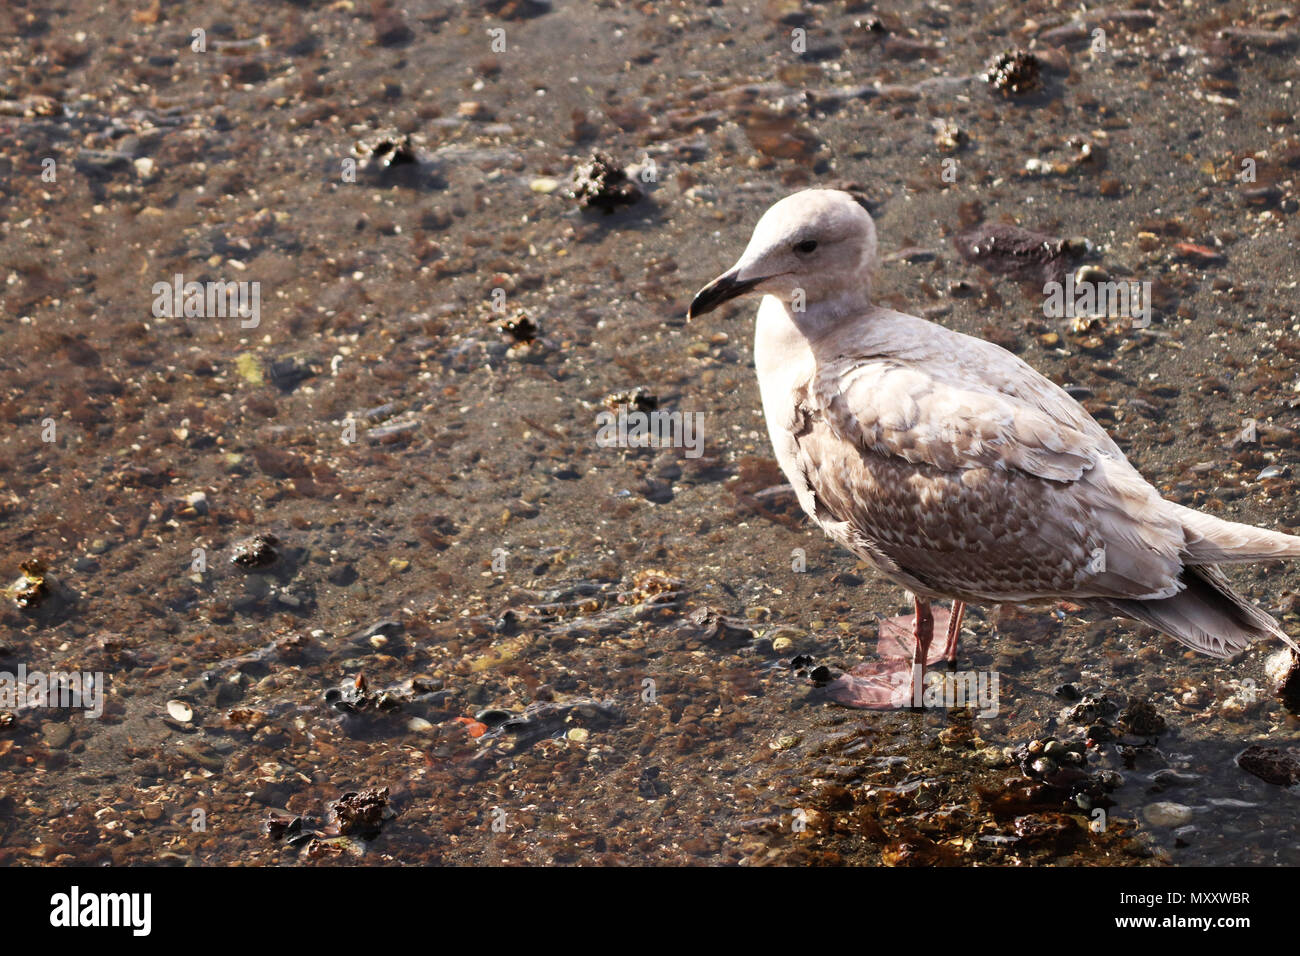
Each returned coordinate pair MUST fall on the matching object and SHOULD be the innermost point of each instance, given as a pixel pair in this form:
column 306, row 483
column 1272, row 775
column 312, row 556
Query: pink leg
column 905, row 645
column 954, row 632
column 922, row 635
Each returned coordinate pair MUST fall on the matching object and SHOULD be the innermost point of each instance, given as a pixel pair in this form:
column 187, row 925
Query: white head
column 820, row 241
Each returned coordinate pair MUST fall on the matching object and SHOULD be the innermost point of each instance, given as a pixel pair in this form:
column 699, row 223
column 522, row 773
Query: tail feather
column 1211, row 540
column 1207, row 614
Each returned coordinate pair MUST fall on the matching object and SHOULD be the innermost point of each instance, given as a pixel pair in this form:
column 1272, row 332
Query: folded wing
column 991, row 490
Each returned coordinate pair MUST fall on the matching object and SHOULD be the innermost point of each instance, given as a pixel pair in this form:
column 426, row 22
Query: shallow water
column 447, row 526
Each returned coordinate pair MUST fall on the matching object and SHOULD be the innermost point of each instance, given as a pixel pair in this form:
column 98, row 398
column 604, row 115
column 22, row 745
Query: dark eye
column 805, row 247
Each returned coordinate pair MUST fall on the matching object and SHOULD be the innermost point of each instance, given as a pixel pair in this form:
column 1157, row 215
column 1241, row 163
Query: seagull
column 954, row 468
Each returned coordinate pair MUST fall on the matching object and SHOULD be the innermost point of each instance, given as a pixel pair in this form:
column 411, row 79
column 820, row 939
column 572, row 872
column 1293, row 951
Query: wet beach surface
column 361, row 583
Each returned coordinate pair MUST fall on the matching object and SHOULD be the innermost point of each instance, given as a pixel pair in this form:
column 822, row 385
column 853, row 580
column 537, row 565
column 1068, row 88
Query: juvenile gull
column 953, row 467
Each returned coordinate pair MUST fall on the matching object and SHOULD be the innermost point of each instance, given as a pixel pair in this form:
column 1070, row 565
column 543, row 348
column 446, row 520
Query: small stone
column 30, row 588
column 1283, row 672
column 948, row 136
column 1044, row 766
column 602, row 184
column 256, row 551
column 249, row 367
column 56, row 736
column 1142, row 719
column 1167, row 814
column 1013, row 73
column 785, row 638
column 1271, row 764
column 579, row 735
column 202, row 756
column 474, row 110
column 1201, row 255
column 386, row 150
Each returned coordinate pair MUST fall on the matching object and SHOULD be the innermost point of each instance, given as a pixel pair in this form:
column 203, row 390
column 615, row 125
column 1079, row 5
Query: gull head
column 813, row 248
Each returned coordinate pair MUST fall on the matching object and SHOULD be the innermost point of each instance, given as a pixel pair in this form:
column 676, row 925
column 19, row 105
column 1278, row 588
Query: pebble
column 1068, row 692
column 1231, row 803
column 203, row 756
column 56, row 736
column 256, row 551
column 1167, row 814
column 1199, row 254
column 1169, row 777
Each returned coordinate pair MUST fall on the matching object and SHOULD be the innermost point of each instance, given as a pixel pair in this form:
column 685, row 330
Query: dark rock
column 30, row 589
column 716, row 626
column 601, row 184
column 1018, row 253
column 651, row 786
column 1091, row 709
column 1141, row 719
column 515, row 9
column 1014, row 73
column 521, row 328
column 1271, row 764
column 362, row 812
column 257, row 551
column 1286, row 680
column 287, row 373
column 386, row 151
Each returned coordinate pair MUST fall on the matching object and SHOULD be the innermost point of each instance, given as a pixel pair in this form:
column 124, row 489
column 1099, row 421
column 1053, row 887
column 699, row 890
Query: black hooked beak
column 720, row 290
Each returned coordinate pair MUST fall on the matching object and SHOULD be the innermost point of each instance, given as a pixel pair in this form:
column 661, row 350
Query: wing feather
column 993, row 490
